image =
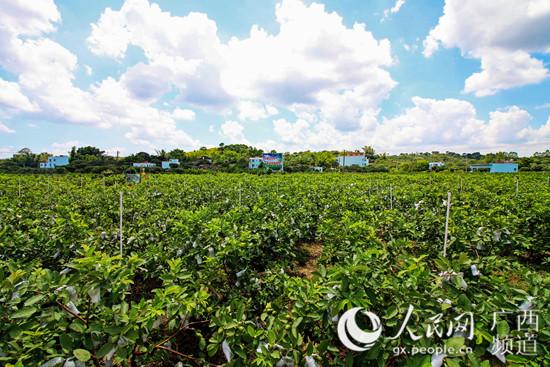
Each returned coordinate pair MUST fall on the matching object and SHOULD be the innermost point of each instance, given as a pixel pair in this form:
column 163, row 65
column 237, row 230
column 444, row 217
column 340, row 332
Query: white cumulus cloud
column 234, row 132
column 503, row 34
column 45, row 73
column 63, row 148
column 6, row 130
column 430, row 124
column 394, row 9
column 312, row 59
column 11, row 97
column 183, row 114
column 331, row 75
column 249, row 110
column 29, row 18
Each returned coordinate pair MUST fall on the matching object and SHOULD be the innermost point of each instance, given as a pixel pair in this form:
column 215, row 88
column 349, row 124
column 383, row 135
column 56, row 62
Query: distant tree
column 162, row 155
column 42, row 157
column 545, row 154
column 82, row 152
column 177, row 154
column 240, row 148
column 24, row 152
column 72, row 155
column 25, row 158
column 420, row 165
column 474, row 155
column 325, row 159
column 369, row 152
column 489, row 157
column 142, row 157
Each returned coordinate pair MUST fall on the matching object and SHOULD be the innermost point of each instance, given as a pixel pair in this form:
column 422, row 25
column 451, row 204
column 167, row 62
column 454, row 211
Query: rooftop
column 353, row 154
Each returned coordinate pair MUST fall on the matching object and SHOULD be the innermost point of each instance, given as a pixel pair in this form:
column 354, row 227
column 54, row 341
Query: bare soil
column 308, row 265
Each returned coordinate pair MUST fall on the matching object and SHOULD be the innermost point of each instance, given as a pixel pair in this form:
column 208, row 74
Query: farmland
column 257, row 269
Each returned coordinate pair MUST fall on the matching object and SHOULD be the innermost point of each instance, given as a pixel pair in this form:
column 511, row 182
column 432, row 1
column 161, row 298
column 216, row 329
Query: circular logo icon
column 352, row 336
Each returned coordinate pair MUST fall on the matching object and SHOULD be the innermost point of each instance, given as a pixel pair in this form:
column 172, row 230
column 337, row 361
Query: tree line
column 234, row 158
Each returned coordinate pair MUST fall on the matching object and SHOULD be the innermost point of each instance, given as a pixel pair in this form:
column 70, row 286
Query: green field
column 260, row 267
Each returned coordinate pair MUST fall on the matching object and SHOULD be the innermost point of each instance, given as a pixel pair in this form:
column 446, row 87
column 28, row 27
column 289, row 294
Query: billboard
column 273, row 161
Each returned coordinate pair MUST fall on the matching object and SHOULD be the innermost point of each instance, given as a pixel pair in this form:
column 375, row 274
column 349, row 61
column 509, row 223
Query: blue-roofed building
column 507, row 167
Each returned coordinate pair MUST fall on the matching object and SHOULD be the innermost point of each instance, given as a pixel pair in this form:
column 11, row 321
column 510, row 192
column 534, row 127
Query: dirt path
column 313, row 251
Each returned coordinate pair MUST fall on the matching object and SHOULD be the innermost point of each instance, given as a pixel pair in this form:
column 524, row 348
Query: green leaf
column 455, row 342
column 322, row 271
column 392, row 312
column 515, row 358
column 295, row 326
column 104, row 350
column 349, row 360
column 24, row 313
column 82, row 354
column 323, row 346
column 503, row 328
column 78, row 326
column 31, row 301
column 202, row 342
column 212, row 349
column 66, row 341
column 452, row 362
column 113, row 330
column 464, row 302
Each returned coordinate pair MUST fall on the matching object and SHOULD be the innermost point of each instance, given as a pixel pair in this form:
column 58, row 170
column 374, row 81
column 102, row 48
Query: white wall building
column 433, row 165
column 166, row 164
column 353, row 159
column 55, row 161
column 144, row 165
column 254, row 162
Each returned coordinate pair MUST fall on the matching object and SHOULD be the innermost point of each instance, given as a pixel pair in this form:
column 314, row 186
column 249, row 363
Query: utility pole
column 120, row 222
column 447, row 224
column 344, row 160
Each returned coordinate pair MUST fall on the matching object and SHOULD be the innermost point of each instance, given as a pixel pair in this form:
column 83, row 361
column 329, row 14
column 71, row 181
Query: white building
column 254, row 162
column 433, row 165
column 167, row 164
column 55, row 161
column 352, row 159
column 144, row 165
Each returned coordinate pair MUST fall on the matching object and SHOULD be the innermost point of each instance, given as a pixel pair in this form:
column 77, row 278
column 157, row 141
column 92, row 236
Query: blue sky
column 289, row 75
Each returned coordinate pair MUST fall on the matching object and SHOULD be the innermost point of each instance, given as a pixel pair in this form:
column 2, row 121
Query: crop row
column 214, row 267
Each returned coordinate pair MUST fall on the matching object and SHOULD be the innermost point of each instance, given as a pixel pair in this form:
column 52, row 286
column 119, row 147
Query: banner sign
column 273, row 161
